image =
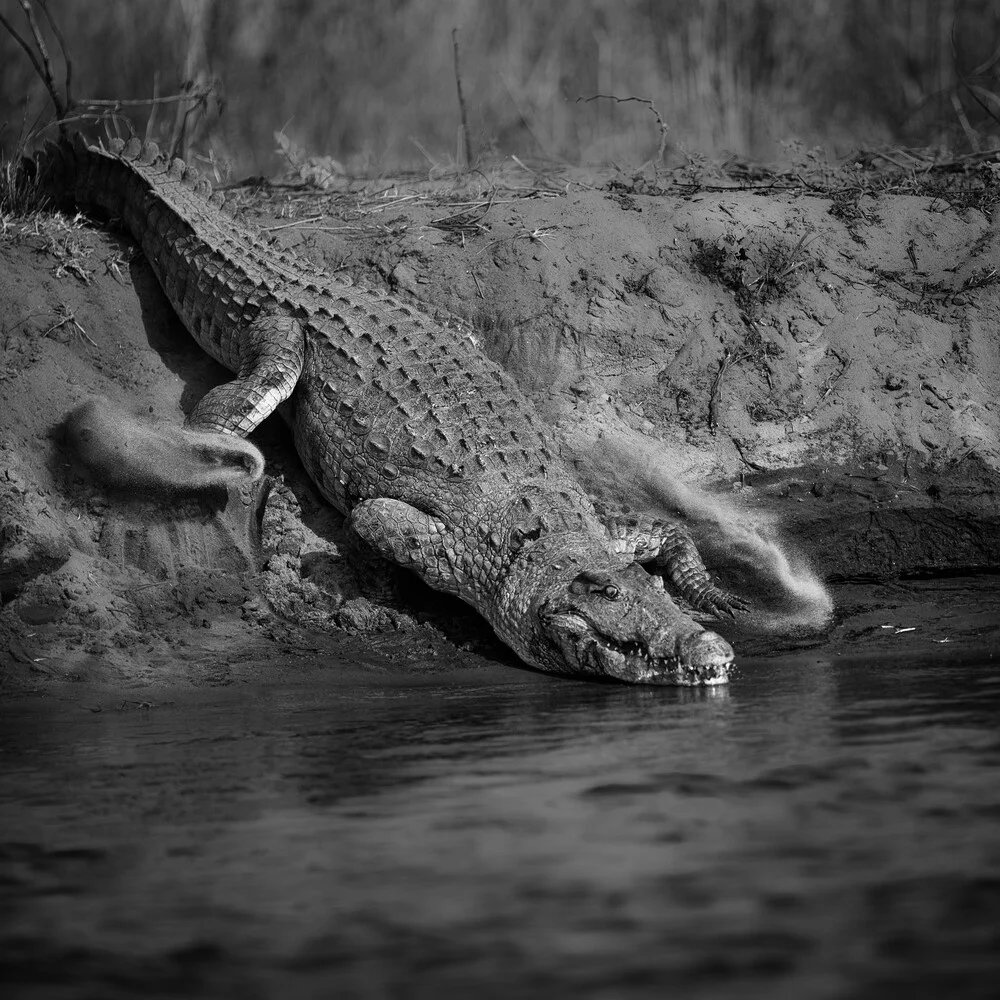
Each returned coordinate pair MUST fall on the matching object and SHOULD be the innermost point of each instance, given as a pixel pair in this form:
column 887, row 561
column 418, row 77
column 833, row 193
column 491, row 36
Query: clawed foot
column 720, row 604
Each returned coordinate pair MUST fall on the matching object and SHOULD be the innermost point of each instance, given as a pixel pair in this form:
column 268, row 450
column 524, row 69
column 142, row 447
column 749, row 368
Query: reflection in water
column 818, row 829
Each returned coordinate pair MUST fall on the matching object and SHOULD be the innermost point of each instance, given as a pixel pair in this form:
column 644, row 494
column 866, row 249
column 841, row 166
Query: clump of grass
column 777, row 270
column 712, row 258
column 757, row 272
column 70, row 252
column 27, row 215
column 981, row 278
column 21, row 194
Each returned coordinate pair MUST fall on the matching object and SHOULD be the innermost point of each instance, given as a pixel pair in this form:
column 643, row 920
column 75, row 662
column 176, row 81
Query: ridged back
column 216, row 271
column 391, row 402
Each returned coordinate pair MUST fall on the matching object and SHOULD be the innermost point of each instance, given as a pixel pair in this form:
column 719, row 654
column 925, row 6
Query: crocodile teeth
column 634, row 651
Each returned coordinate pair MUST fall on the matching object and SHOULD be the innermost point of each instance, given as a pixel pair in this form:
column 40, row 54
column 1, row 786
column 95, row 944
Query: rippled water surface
column 828, row 826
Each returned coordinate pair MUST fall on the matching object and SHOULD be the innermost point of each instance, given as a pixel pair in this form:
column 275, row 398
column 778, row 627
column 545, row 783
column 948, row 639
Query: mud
column 822, row 383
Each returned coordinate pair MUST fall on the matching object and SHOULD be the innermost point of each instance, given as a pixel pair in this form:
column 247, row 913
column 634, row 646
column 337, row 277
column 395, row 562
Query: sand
column 805, row 378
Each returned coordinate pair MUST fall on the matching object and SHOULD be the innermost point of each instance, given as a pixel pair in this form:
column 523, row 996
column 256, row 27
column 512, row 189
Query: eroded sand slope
column 833, row 373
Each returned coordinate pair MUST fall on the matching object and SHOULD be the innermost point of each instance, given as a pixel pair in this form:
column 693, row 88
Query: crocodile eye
column 596, row 585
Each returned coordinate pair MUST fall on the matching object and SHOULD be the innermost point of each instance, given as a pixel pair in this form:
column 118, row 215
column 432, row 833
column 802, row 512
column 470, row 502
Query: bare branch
column 68, row 86
column 100, row 102
column 50, row 84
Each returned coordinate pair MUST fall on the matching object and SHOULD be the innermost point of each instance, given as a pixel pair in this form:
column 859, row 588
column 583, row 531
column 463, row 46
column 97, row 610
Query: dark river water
column 826, row 826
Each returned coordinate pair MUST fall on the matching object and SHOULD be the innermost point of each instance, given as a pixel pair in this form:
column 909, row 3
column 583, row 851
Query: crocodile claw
column 719, row 603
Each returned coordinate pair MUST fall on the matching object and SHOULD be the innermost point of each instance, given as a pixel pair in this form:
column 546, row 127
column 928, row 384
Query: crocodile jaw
column 689, row 660
column 568, row 606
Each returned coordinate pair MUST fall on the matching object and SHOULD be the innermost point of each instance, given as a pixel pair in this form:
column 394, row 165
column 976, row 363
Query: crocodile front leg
column 270, row 353
column 667, row 548
column 411, row 539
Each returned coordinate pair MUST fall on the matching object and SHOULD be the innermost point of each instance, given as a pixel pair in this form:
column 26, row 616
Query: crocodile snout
column 705, row 656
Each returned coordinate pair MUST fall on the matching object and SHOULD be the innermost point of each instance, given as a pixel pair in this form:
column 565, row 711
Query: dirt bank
column 830, row 367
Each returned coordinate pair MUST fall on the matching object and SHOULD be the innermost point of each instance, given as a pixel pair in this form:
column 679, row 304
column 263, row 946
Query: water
column 828, row 826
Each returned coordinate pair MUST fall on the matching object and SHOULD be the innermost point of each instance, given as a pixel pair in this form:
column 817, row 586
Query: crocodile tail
column 125, row 179
column 135, row 454
column 75, row 175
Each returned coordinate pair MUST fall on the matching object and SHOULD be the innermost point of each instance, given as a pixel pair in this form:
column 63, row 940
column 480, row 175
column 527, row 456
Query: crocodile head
column 610, row 622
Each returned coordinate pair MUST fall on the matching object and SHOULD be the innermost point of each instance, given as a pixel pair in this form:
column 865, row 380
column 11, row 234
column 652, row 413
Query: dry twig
column 69, row 318
column 461, row 100
column 664, row 127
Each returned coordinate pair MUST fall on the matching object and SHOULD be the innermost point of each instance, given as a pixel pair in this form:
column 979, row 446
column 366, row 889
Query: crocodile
column 431, row 451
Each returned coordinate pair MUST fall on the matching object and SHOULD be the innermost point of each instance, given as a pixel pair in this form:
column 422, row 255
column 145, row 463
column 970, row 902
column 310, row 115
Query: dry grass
column 20, row 194
column 758, row 268
column 26, row 217
column 371, row 87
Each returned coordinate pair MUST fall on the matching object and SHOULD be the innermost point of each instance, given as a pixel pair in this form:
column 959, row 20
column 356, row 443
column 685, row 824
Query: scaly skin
column 429, row 447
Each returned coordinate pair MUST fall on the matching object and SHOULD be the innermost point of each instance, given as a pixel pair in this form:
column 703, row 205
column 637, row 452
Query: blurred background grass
column 366, row 82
